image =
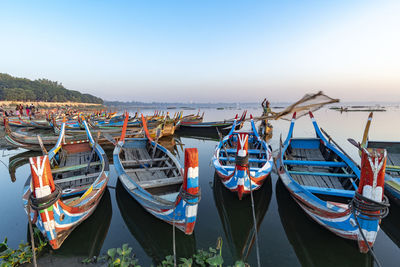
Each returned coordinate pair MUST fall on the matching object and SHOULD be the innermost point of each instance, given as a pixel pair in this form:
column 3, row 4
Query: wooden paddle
column 223, row 146
column 92, row 153
column 42, row 145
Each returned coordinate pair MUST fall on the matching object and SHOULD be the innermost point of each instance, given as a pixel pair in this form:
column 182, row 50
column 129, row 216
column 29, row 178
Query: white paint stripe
column 191, row 210
column 193, row 172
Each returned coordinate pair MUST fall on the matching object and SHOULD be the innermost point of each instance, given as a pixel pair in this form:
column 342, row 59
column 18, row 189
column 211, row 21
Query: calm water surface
column 287, row 237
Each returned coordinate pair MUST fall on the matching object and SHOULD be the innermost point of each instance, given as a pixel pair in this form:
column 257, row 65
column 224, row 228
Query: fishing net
column 309, row 102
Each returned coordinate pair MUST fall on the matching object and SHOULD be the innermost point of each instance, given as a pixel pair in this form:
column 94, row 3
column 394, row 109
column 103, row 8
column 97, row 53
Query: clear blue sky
column 229, row 51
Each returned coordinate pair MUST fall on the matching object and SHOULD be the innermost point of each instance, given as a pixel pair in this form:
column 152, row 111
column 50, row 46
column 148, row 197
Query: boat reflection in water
column 19, row 160
column 170, row 143
column 88, row 237
column 237, row 218
column 390, row 224
column 313, row 245
column 154, row 235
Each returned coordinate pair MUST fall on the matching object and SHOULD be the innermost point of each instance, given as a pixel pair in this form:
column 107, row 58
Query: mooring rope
column 255, row 225
column 185, row 195
column 368, row 209
column 31, row 230
column 47, row 201
column 173, row 237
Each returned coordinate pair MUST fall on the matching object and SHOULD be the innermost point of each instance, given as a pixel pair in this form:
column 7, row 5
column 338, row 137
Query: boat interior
column 256, row 151
column 71, row 169
column 319, row 169
column 151, row 168
column 393, row 156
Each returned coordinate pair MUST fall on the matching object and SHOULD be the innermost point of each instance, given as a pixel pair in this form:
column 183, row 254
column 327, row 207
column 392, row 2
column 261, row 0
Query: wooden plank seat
column 149, row 169
column 330, row 191
column 250, row 159
column 340, row 175
column 75, row 178
column 129, row 162
column 234, row 150
column 315, row 163
column 161, row 182
column 75, row 167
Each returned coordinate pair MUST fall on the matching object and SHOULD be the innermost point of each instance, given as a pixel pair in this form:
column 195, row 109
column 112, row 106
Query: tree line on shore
column 22, row 89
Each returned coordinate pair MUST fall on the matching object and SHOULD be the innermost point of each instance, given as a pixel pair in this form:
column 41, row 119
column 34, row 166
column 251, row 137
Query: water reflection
column 154, row 235
column 170, row 143
column 390, row 225
column 313, row 244
column 237, row 218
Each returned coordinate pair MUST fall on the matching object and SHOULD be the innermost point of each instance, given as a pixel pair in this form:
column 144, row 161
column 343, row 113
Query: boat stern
column 190, row 193
column 44, row 196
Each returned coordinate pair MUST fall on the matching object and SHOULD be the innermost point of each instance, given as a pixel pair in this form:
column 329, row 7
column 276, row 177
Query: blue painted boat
column 154, row 178
column 331, row 188
column 392, row 178
column 243, row 160
column 65, row 186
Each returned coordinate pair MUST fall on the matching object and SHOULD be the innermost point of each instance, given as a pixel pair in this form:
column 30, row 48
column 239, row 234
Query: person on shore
column 265, row 129
column 266, row 107
column 17, row 110
column 27, row 109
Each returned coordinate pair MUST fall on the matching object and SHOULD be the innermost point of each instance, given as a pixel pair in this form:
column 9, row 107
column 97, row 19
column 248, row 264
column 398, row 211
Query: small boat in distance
column 154, row 177
column 65, row 186
column 214, row 126
column 243, row 160
column 330, row 187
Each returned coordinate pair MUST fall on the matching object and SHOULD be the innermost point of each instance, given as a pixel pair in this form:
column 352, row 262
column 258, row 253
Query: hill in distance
column 22, row 89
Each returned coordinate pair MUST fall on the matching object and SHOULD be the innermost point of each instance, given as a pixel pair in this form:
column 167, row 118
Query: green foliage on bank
column 10, row 257
column 22, row 89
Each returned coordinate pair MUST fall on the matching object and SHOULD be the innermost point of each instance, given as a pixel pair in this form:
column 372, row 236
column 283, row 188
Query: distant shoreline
column 41, row 104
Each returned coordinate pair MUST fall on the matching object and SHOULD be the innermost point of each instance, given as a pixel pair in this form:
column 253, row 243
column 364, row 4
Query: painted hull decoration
column 153, row 235
column 392, row 178
column 243, row 160
column 155, row 179
column 331, row 189
column 312, row 244
column 65, row 186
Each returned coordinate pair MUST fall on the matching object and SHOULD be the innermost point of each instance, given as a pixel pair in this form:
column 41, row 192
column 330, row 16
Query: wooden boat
column 392, row 177
column 192, row 118
column 38, row 124
column 312, row 244
column 67, row 185
column 154, row 177
column 243, row 160
column 237, row 218
column 200, row 135
column 330, row 187
column 88, row 238
column 32, row 142
column 152, row 234
column 216, row 126
column 18, row 160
